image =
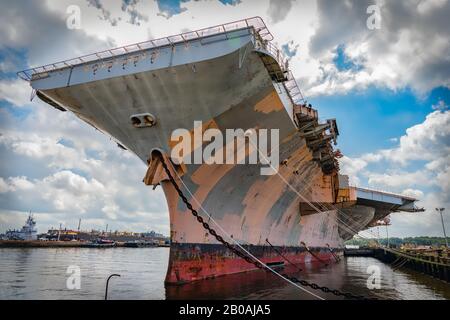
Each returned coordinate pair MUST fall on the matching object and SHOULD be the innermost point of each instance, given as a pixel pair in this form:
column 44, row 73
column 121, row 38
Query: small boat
column 100, row 243
column 139, row 244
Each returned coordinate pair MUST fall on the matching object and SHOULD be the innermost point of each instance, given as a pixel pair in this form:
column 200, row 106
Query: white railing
column 256, row 23
column 276, row 53
column 294, row 90
column 290, row 84
column 388, row 193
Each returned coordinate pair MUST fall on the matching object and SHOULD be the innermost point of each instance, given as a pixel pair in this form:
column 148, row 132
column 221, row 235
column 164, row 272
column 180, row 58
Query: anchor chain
column 244, row 256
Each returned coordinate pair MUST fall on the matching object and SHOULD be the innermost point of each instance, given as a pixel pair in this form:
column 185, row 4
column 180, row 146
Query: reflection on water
column 40, row 273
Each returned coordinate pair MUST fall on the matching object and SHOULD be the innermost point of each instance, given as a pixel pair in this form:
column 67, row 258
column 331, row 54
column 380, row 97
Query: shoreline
column 61, row 244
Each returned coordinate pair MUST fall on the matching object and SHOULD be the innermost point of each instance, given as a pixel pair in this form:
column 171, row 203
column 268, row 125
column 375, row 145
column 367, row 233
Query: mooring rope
column 245, row 254
column 282, row 255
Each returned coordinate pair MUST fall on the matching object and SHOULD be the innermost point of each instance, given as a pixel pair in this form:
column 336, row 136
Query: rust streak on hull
column 195, row 261
column 229, row 80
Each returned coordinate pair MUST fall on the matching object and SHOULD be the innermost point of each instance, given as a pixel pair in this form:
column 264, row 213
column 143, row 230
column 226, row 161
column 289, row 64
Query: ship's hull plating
column 197, row 261
column 227, row 92
column 250, row 207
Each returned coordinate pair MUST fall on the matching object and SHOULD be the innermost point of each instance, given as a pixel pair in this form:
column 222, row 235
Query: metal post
column 59, row 231
column 443, row 226
column 107, row 283
column 387, row 235
column 378, row 232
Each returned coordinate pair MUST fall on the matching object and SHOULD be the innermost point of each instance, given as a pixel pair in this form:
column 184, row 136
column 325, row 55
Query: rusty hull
column 227, row 85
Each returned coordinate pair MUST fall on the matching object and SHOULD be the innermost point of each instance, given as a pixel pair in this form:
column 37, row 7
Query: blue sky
column 389, row 113
column 388, row 90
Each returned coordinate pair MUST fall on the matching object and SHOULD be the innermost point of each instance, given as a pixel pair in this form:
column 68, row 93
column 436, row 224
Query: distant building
column 68, row 235
column 153, row 234
column 63, row 235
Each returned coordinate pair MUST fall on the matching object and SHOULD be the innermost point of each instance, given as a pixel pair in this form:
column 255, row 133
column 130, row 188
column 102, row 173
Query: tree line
column 419, row 241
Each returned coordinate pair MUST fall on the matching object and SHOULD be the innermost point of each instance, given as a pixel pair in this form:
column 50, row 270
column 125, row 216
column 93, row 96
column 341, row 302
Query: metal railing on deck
column 388, row 193
column 256, row 23
column 291, row 84
column 276, row 53
column 294, row 90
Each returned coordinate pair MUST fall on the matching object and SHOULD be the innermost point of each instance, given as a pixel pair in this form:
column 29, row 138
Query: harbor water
column 45, row 273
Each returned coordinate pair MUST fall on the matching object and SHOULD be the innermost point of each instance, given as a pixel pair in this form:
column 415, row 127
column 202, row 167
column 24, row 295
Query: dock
column 59, row 244
column 39, row 244
column 363, row 252
column 435, row 265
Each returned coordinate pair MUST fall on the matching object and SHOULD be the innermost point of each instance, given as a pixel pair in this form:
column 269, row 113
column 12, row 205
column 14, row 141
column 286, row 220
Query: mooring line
column 304, row 198
column 313, row 254
column 336, row 257
column 285, row 258
column 256, row 262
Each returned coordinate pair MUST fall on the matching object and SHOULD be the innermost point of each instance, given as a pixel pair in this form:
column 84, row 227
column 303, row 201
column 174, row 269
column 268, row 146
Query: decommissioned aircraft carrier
column 228, row 76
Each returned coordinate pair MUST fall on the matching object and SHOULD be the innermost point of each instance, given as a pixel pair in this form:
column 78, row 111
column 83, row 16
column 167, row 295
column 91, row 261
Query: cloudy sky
column 387, row 87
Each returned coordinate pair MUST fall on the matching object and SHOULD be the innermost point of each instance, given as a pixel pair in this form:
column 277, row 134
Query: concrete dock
column 58, row 244
column 435, row 265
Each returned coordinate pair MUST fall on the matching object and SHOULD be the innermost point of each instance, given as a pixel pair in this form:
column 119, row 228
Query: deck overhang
column 384, row 203
column 386, row 200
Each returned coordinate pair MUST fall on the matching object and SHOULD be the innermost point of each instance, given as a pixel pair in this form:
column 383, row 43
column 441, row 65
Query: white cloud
column 441, row 105
column 13, row 184
column 418, row 194
column 352, row 167
column 426, row 7
column 428, row 141
column 65, row 190
column 70, row 192
column 112, row 191
column 443, row 179
column 43, row 32
column 4, row 187
column 421, row 223
column 409, row 50
column 278, row 10
column 400, row 179
column 73, row 171
column 371, row 157
column 393, row 140
column 111, row 210
column 16, row 92
column 424, row 141
column 59, row 156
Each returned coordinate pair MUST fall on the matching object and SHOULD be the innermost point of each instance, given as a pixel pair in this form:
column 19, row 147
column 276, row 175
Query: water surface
column 41, row 273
